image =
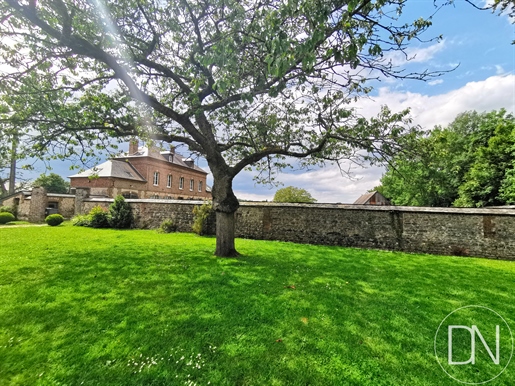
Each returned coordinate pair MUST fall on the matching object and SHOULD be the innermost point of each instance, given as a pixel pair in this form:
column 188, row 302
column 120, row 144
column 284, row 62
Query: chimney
column 133, row 146
column 154, row 151
column 172, row 149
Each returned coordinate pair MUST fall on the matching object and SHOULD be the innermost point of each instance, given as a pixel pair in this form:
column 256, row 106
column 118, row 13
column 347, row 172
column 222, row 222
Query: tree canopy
column 244, row 84
column 53, row 183
column 469, row 163
column 293, row 194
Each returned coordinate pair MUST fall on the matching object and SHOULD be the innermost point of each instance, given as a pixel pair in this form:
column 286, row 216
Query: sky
column 476, row 44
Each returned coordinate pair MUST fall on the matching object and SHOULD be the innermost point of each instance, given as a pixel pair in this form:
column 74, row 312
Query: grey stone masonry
column 80, row 195
column 449, row 231
column 38, row 205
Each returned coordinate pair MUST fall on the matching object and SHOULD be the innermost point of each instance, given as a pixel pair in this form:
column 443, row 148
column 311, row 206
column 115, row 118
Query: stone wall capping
column 474, row 211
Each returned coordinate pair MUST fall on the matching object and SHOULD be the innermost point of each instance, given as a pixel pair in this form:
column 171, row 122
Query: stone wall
column 32, row 207
column 466, row 232
column 38, row 204
column 149, row 213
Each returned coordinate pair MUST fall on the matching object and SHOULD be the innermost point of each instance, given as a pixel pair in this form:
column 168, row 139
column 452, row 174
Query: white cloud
column 325, row 185
column 415, row 55
column 492, row 93
column 435, row 82
column 328, row 185
column 243, row 195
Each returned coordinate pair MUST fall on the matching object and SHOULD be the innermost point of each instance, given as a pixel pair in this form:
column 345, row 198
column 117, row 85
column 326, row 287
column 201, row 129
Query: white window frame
column 181, row 183
column 169, row 181
column 192, row 185
column 156, row 178
column 200, row 186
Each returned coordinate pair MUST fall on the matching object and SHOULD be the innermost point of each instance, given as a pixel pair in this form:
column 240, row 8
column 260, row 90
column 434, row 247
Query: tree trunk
column 225, row 205
column 12, row 173
column 225, row 235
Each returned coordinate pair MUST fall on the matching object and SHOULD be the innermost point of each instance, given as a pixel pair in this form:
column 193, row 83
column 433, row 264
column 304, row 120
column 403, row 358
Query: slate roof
column 364, row 198
column 176, row 159
column 113, row 168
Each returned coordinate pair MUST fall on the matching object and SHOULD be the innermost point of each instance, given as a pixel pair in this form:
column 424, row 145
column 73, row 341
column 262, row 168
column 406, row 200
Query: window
column 200, row 186
column 181, row 183
column 169, row 181
column 192, row 184
column 156, row 178
column 130, row 195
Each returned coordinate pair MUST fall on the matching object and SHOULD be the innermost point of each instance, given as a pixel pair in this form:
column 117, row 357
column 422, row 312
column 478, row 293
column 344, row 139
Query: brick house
column 145, row 172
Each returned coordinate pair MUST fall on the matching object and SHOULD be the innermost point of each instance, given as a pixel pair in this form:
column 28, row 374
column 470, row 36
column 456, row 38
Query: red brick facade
column 164, row 176
column 147, row 166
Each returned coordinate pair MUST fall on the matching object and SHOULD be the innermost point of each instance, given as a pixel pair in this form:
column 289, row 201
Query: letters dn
column 473, row 345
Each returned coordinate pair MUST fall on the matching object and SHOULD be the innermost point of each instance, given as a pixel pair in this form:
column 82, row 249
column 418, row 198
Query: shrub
column 121, row 213
column 81, row 220
column 54, row 219
column 167, row 226
column 98, row 217
column 201, row 214
column 8, row 209
column 6, row 217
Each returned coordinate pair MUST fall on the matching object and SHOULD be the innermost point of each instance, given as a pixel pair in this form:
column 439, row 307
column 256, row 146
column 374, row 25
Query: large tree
column 468, row 163
column 53, row 183
column 293, row 194
column 252, row 83
column 9, row 156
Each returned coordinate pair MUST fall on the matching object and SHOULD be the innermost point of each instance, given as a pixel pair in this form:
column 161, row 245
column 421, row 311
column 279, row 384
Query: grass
column 19, row 222
column 84, row 306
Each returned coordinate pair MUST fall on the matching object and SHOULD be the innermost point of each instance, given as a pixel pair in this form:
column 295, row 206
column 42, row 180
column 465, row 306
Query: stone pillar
column 38, row 205
column 80, row 195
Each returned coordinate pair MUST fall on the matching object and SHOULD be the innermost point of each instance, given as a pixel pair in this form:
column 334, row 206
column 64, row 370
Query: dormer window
column 156, row 178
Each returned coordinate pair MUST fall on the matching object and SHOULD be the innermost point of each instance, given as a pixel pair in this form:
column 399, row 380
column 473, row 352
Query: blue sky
column 478, row 42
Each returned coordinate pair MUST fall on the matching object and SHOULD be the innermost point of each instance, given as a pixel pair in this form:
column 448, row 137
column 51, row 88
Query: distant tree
column 293, row 194
column 53, row 183
column 469, row 163
column 489, row 180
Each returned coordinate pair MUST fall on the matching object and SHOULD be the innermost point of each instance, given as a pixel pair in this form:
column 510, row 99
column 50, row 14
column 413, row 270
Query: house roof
column 112, row 168
column 19, row 192
column 364, row 198
column 175, row 159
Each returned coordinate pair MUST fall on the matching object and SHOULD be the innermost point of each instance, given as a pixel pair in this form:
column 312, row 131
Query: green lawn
column 82, row 306
column 13, row 223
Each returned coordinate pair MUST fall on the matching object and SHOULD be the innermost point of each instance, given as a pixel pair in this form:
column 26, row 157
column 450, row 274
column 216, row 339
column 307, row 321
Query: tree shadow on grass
column 280, row 314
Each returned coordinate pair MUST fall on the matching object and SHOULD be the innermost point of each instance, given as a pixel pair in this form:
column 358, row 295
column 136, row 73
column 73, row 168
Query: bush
column 201, row 214
column 81, row 220
column 98, row 217
column 167, row 226
column 121, row 213
column 54, row 219
column 8, row 209
column 6, row 217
